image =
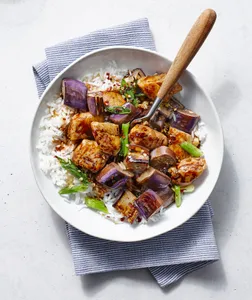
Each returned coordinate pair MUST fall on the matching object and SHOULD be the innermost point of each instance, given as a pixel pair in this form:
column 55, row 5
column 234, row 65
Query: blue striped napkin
column 169, row 256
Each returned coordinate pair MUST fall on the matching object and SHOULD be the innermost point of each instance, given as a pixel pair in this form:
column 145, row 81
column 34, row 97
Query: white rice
column 105, row 80
column 200, row 132
column 57, row 115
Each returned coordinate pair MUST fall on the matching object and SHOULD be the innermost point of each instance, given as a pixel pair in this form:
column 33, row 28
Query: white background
column 35, row 259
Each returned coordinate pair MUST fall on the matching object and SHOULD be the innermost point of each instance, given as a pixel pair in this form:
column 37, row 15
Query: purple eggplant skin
column 167, row 195
column 74, row 93
column 148, row 204
column 140, row 113
column 159, row 183
column 113, row 176
column 120, row 119
column 153, row 179
column 185, row 120
column 120, row 183
column 95, row 105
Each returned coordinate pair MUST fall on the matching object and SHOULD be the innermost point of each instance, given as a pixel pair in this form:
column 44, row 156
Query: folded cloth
column 169, row 256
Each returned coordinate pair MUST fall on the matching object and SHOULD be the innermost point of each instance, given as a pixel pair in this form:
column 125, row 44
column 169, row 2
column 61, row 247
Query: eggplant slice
column 74, row 93
column 120, row 119
column 162, row 158
column 148, row 204
column 137, row 159
column 95, row 105
column 113, row 176
column 185, row 120
column 153, row 179
column 159, row 183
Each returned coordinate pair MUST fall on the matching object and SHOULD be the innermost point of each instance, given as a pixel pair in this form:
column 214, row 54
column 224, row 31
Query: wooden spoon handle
column 189, row 48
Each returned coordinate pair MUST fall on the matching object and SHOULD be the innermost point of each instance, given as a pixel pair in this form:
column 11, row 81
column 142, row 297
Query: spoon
column 186, row 53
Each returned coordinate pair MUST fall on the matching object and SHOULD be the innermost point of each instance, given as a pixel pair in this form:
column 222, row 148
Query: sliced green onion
column 191, row 149
column 123, row 83
column 125, row 139
column 96, row 204
column 178, row 199
column 129, row 92
column 140, row 95
column 135, row 102
column 118, row 110
column 73, row 189
column 73, row 169
column 188, row 189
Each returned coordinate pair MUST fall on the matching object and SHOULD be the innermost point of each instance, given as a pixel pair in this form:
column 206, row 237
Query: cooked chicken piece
column 145, row 136
column 175, row 138
column 179, row 152
column 88, row 155
column 150, row 85
column 107, row 137
column 187, row 170
column 80, row 126
column 106, row 127
column 113, row 99
column 125, row 205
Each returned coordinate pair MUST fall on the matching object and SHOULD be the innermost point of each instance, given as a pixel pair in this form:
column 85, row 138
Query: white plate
column 192, row 96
